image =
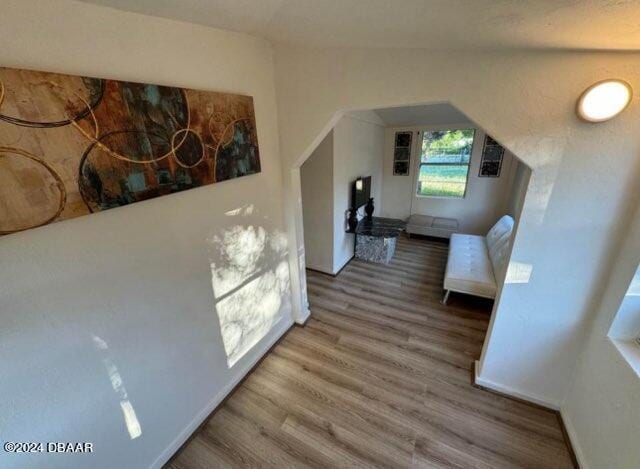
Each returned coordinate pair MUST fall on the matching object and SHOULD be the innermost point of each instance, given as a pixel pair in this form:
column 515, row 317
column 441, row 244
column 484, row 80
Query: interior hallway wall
column 316, row 179
column 118, row 327
column 352, row 149
column 520, row 176
column 602, row 408
column 577, row 202
column 359, row 150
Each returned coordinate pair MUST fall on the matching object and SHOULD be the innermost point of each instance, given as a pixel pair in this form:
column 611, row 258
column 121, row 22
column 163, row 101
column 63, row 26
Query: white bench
column 475, row 262
column 439, row 227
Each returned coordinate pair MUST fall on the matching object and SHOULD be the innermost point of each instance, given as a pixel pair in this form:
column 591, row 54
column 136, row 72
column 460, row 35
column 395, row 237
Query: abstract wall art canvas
column 71, row 145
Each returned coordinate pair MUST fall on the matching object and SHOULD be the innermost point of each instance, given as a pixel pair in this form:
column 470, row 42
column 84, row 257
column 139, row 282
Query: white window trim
column 622, row 328
column 417, row 151
column 630, row 351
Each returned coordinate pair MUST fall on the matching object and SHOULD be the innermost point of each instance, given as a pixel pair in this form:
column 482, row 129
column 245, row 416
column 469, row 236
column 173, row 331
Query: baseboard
column 218, row 399
column 319, row 271
column 345, row 264
column 510, row 392
column 572, row 436
column 577, row 456
column 304, row 317
column 331, row 273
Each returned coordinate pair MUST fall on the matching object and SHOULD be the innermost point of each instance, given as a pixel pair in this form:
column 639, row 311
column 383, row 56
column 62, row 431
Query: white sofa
column 475, row 262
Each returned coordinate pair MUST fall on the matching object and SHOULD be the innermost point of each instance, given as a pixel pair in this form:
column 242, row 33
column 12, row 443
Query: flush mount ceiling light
column 604, row 100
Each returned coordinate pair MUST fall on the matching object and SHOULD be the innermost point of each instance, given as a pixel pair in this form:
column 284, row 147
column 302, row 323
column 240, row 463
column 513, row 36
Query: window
column 444, row 162
column 625, row 329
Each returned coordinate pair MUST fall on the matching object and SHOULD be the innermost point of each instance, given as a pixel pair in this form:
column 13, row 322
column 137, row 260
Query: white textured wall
column 358, row 152
column 518, row 189
column 485, row 200
column 602, row 408
column 123, row 309
column 316, row 179
column 578, row 200
column 353, row 148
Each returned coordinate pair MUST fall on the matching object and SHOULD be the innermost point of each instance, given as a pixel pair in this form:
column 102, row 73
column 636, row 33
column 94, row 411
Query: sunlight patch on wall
column 248, row 314
column 634, row 288
column 240, row 249
column 518, row 272
column 248, row 289
column 244, row 211
column 130, row 419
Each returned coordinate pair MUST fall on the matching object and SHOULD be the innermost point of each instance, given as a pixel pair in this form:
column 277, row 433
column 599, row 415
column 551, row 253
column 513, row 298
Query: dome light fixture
column 604, row 100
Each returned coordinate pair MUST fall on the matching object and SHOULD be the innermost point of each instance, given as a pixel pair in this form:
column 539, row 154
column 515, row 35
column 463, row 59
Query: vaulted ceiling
column 429, row 24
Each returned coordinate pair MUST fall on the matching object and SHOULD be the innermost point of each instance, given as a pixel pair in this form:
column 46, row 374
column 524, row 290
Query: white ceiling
column 429, row 24
column 430, row 114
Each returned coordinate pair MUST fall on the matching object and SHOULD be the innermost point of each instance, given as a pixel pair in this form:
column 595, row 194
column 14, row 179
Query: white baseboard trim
column 485, row 383
column 301, row 318
column 184, row 435
column 573, row 438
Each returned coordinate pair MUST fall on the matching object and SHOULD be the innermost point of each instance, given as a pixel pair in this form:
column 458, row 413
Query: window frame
column 418, row 160
column 621, row 323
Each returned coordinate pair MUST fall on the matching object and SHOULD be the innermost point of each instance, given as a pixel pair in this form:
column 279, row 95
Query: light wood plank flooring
column 379, row 377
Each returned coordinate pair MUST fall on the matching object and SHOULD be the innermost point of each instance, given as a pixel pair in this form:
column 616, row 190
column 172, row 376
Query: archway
column 518, row 272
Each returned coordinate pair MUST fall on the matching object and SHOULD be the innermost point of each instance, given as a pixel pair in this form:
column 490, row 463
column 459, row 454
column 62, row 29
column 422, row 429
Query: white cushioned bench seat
column 475, row 262
column 439, row 227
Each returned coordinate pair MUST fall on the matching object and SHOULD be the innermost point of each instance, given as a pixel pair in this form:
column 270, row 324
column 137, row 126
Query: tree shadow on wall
column 250, row 280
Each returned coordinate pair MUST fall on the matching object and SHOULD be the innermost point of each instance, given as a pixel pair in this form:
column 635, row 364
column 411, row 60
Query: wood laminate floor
column 379, row 377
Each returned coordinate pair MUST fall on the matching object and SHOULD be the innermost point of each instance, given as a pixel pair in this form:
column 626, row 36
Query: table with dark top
column 376, row 238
